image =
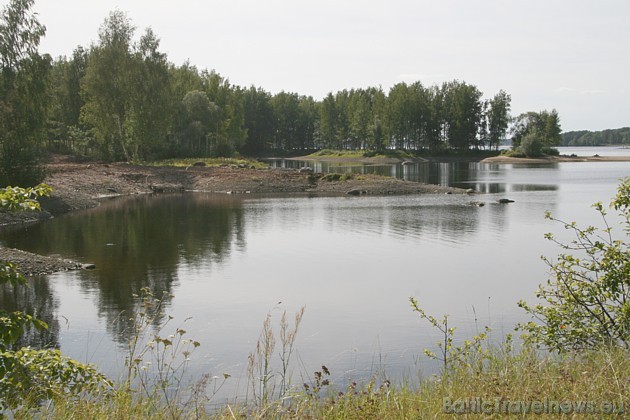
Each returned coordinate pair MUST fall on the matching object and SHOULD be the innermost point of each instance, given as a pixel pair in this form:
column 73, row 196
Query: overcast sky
column 572, row 55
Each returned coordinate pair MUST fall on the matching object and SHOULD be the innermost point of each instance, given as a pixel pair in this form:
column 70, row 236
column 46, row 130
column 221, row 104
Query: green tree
column 328, row 123
column 65, row 132
column 463, row 108
column 308, row 123
column 586, row 303
column 258, row 120
column 286, row 113
column 399, row 116
column 545, row 123
column 196, row 121
column 497, row 115
column 106, row 87
column 24, row 83
column 230, row 133
column 151, row 107
column 531, row 144
column 360, row 115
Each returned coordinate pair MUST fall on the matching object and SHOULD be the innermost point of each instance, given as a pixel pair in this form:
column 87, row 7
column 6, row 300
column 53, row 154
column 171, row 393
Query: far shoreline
column 480, row 157
column 554, row 159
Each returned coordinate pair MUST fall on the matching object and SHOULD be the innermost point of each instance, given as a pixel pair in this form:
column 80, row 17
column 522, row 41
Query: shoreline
column 78, row 186
column 556, row 159
column 458, row 158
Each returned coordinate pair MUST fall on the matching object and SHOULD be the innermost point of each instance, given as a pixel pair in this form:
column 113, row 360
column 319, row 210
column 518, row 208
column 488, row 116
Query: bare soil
column 80, row 185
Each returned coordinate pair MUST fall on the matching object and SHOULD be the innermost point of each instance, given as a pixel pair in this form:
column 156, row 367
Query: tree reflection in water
column 145, row 238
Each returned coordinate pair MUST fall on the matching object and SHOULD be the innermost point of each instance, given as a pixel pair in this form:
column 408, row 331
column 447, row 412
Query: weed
column 156, row 364
column 471, row 354
column 262, row 377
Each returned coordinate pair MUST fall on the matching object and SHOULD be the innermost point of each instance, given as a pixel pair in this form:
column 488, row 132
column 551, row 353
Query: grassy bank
column 595, row 382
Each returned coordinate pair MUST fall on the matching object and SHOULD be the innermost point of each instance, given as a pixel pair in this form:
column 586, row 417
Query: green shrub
column 586, row 303
column 517, row 153
column 531, row 144
column 223, row 149
column 550, row 151
column 332, row 177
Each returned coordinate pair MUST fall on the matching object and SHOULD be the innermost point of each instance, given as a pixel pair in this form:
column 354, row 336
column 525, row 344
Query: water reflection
column 38, row 299
column 136, row 243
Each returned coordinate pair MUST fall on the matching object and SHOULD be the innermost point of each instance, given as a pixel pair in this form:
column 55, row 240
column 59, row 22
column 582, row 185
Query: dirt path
column 80, row 185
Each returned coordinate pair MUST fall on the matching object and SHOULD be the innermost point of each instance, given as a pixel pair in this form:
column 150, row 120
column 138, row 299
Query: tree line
column 597, row 138
column 121, row 99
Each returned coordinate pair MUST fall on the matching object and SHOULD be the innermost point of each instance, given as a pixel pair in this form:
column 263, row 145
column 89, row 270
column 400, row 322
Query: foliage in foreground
column 29, row 376
column 586, row 303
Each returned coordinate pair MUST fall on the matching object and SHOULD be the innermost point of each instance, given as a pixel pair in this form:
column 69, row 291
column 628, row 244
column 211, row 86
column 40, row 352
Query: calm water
column 228, row 261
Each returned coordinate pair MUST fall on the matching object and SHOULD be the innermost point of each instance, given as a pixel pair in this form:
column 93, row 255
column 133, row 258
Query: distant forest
column 597, row 138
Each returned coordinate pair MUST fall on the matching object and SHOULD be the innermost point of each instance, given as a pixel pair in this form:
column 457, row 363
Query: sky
column 571, row 55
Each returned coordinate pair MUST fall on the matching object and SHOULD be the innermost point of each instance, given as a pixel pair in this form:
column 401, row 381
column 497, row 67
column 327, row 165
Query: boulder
column 476, row 203
column 356, row 192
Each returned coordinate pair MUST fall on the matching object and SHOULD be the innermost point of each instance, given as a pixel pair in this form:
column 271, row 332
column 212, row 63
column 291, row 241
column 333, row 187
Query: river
column 352, row 262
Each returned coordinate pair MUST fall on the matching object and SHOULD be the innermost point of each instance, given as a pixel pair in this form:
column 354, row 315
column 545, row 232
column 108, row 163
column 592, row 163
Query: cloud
column 414, row 77
column 563, row 89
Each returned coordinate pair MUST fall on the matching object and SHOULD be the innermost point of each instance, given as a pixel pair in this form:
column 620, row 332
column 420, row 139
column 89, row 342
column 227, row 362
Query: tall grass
column 500, row 375
column 506, row 380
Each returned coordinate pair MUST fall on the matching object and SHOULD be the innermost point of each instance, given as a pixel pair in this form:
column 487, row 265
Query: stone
column 356, row 192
